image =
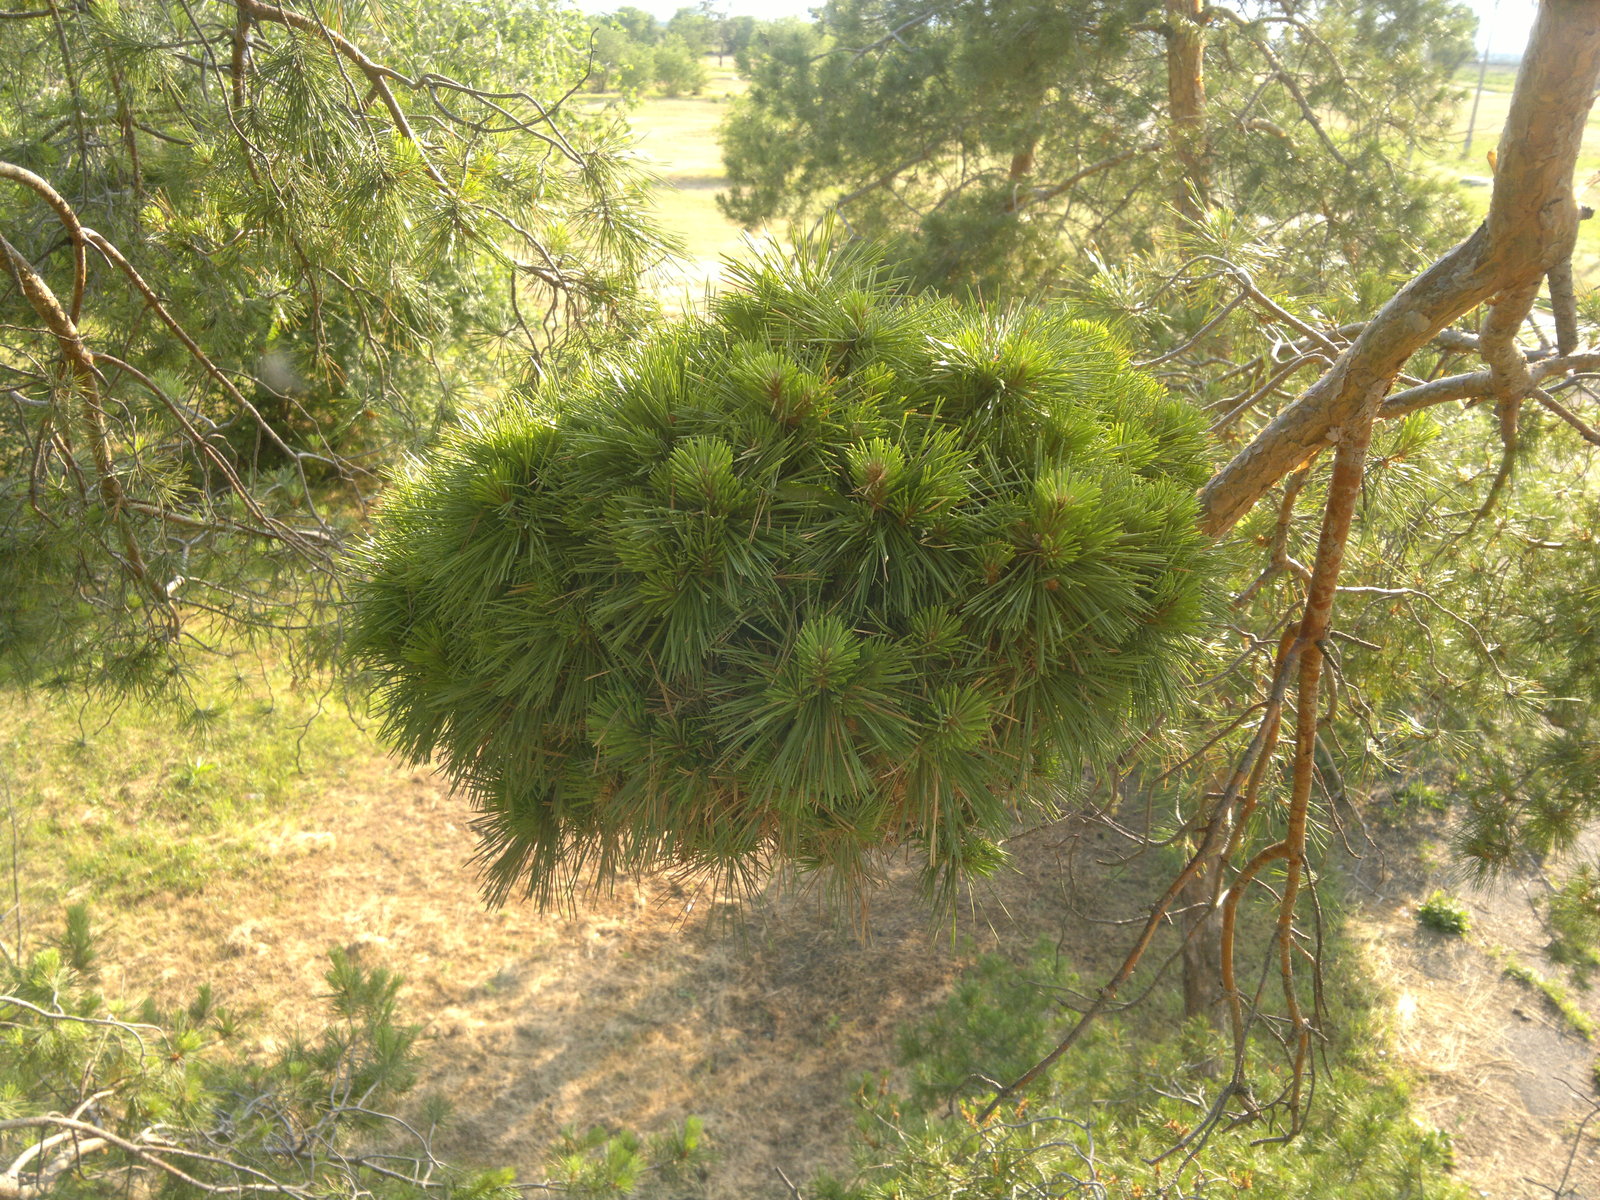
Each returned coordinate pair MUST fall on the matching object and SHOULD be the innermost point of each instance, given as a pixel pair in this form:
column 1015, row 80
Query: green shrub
column 1417, row 796
column 1444, row 915
column 678, row 69
column 833, row 567
column 98, row 1099
column 1104, row 1123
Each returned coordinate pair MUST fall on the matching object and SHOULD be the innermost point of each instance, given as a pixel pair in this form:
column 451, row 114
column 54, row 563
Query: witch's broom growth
column 833, row 568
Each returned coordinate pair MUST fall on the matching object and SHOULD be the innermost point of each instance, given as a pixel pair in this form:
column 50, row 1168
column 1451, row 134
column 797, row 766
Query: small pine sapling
column 100, row 1100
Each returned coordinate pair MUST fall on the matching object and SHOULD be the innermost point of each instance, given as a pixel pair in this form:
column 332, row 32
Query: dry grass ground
column 633, row 1010
column 652, row 1003
column 1497, row 1066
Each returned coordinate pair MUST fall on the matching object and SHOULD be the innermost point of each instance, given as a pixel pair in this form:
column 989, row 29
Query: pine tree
column 1004, row 144
column 248, row 256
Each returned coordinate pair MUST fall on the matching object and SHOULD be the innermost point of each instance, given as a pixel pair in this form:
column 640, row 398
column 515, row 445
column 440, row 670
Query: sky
column 1504, row 23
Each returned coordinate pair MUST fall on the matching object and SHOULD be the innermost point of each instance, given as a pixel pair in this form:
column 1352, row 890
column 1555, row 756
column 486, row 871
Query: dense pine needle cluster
column 832, row 568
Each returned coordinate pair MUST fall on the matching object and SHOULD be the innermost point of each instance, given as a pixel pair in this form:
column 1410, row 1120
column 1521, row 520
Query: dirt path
column 1498, row 1067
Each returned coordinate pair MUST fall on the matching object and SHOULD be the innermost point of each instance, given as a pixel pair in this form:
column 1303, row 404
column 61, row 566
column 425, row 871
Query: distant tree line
column 634, row 52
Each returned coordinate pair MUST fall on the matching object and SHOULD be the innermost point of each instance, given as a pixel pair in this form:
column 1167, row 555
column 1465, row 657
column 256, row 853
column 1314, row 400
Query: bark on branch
column 1186, row 95
column 1532, row 223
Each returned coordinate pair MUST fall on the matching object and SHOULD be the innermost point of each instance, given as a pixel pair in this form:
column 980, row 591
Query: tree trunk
column 1186, row 97
column 1186, row 100
column 1202, row 942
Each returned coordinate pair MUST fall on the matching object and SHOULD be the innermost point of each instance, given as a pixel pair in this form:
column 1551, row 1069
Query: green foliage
column 621, row 63
column 678, row 68
column 1112, row 1116
column 1574, row 919
column 77, row 941
column 634, row 55
column 346, row 261
column 638, row 24
column 181, row 1108
column 597, row 1163
column 1442, row 914
column 1533, row 786
column 1465, row 647
column 734, row 36
column 1006, row 143
column 695, row 27
column 833, row 567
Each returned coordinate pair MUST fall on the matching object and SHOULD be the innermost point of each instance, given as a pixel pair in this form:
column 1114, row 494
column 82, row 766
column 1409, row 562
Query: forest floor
column 242, row 863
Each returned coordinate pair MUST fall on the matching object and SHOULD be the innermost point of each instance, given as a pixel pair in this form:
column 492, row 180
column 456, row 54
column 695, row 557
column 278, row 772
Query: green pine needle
column 832, row 569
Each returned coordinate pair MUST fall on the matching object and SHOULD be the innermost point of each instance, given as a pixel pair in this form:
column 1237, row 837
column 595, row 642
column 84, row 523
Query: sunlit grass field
column 678, row 138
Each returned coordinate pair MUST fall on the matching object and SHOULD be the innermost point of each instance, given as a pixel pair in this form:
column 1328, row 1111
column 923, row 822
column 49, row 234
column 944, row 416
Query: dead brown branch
column 1529, row 232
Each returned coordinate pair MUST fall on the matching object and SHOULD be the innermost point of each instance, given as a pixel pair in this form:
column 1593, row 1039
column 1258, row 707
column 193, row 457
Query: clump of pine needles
column 832, row 568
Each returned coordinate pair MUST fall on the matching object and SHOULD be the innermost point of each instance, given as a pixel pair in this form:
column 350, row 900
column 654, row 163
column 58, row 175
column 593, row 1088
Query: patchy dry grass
column 239, row 861
column 133, row 803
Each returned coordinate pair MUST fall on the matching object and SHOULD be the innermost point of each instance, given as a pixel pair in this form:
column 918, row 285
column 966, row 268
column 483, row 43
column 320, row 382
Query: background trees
column 253, row 253
column 634, row 52
column 1004, row 143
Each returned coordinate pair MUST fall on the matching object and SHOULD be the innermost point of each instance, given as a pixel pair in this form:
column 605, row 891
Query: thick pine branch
column 1530, row 230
